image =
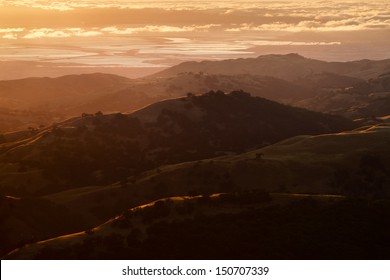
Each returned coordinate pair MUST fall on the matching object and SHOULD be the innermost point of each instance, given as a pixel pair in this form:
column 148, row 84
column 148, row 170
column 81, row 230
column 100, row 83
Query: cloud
column 38, row 13
column 10, row 33
column 349, row 24
column 60, row 33
column 287, row 43
column 9, row 30
column 166, row 5
column 83, row 33
column 57, row 5
column 113, row 30
column 185, row 30
column 11, row 36
column 157, row 29
column 45, row 33
column 178, row 40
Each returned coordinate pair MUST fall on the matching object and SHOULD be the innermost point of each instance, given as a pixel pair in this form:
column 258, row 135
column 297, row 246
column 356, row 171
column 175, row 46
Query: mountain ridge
column 288, row 67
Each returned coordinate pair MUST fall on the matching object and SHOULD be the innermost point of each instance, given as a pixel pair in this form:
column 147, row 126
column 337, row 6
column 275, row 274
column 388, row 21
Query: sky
column 136, row 38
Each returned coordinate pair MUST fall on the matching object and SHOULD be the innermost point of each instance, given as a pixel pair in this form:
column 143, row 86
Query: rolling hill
column 52, row 94
column 328, row 87
column 351, row 166
column 368, row 99
column 146, row 91
column 256, row 225
column 289, row 79
column 288, row 67
column 42, row 101
column 101, row 148
column 355, row 89
column 235, row 168
column 37, row 102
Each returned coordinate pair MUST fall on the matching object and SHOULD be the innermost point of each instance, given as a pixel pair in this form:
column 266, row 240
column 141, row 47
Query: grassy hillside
column 368, row 99
column 102, row 149
column 354, row 163
column 198, row 166
column 246, row 225
column 327, row 168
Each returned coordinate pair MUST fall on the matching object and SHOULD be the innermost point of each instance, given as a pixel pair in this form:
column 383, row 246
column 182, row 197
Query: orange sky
column 150, row 35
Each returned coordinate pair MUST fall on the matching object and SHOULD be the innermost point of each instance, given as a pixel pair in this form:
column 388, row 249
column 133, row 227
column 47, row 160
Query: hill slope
column 289, row 67
column 255, row 225
column 43, row 101
column 362, row 100
column 354, row 163
column 51, row 93
column 27, row 220
column 103, row 148
column 290, row 79
column 143, row 92
column 330, row 166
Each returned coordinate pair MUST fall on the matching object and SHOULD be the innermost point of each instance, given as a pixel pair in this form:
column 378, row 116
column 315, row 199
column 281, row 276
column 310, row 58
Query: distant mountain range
column 290, row 67
column 54, row 94
column 349, row 89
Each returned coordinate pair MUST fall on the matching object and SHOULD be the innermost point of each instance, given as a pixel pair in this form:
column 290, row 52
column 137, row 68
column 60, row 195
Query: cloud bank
column 149, row 33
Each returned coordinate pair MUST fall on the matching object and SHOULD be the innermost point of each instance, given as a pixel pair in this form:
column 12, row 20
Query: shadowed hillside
column 27, row 220
column 330, row 167
column 101, row 149
column 354, row 164
column 256, row 225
